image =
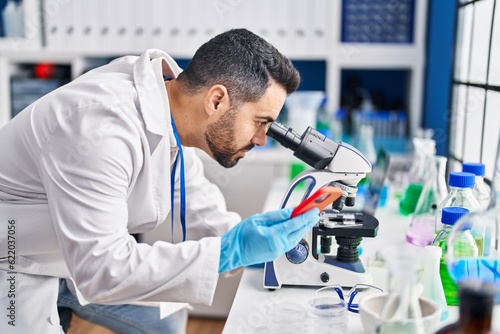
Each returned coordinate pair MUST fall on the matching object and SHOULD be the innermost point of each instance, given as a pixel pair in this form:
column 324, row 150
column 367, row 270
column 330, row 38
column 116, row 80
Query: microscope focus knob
column 299, row 253
column 324, row 277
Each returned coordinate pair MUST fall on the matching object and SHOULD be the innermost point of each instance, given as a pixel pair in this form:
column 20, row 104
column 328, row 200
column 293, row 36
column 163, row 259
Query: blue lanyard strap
column 183, row 187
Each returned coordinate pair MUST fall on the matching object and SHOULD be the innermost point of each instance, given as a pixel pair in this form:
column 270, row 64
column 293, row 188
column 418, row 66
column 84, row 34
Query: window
column 474, row 122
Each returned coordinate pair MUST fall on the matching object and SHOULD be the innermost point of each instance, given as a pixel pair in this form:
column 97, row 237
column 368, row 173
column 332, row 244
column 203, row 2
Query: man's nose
column 260, row 138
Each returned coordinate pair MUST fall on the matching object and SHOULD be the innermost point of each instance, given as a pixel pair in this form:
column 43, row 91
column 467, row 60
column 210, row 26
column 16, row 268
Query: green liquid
column 465, row 246
column 449, row 286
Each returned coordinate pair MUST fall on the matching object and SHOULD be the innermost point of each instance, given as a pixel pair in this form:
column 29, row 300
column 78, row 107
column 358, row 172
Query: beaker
column 401, row 312
column 327, row 313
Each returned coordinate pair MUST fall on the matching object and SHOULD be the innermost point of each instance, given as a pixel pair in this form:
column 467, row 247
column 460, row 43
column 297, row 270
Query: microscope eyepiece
column 283, row 135
column 312, row 147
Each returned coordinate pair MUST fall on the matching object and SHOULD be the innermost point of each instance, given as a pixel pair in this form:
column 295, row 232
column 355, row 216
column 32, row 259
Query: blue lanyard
column 183, row 187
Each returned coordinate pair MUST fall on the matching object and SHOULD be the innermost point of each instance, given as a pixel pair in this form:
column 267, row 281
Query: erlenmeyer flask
column 423, row 149
column 401, row 312
column 431, row 279
column 421, row 230
column 442, row 186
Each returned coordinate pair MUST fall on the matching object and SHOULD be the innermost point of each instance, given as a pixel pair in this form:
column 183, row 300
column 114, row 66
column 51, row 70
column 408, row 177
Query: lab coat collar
column 150, row 98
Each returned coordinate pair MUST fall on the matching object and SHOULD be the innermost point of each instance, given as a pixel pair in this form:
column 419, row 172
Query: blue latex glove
column 264, row 237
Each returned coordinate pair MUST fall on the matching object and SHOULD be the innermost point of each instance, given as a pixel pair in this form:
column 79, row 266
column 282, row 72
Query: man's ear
column 217, row 100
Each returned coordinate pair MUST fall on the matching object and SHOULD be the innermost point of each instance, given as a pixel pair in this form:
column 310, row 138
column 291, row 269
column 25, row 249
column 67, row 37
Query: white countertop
column 252, row 304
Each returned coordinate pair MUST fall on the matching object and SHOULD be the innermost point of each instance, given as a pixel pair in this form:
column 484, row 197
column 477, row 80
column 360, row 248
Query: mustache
column 248, row 147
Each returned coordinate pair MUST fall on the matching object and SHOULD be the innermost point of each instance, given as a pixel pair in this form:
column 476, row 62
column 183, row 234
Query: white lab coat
column 89, row 164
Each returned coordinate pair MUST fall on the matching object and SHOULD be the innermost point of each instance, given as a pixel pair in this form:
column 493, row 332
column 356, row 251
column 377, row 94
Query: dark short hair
column 241, row 61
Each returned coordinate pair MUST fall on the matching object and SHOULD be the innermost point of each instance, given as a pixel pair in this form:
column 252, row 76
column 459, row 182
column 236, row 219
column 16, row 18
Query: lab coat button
column 54, row 320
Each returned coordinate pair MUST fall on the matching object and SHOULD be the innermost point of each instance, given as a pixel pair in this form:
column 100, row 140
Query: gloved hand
column 264, row 237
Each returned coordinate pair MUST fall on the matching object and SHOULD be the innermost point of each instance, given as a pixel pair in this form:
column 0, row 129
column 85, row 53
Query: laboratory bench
column 251, row 306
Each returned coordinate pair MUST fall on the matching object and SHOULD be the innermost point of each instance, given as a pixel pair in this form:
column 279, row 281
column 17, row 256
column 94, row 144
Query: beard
column 221, row 136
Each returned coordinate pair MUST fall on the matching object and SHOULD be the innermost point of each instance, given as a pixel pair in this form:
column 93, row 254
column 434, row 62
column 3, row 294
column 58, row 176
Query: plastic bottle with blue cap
column 481, row 190
column 460, row 194
column 468, row 247
column 486, row 266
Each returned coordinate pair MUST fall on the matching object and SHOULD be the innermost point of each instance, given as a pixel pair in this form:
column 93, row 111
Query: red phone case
column 323, row 197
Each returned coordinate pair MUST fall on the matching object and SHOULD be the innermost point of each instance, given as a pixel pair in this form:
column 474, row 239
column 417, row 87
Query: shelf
column 15, row 45
column 294, row 33
column 378, row 56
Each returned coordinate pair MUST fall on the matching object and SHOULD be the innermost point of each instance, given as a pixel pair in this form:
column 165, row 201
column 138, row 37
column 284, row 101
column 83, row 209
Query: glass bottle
column 481, row 190
column 475, row 310
column 421, row 230
column 401, row 312
column 460, row 195
column 485, row 227
column 431, row 279
column 468, row 247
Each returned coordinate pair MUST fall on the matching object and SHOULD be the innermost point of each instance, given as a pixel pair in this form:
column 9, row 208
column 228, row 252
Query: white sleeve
column 87, row 166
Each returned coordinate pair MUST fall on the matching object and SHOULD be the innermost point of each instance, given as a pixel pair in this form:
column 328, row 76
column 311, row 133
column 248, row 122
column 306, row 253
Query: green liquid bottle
column 465, row 245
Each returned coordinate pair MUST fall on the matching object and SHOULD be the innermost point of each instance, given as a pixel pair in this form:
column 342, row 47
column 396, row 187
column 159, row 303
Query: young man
column 111, row 154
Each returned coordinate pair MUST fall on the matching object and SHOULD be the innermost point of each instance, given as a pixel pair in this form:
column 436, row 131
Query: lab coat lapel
column 150, row 100
column 156, row 118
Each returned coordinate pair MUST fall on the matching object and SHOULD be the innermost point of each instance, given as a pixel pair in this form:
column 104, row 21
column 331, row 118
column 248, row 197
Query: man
column 111, row 154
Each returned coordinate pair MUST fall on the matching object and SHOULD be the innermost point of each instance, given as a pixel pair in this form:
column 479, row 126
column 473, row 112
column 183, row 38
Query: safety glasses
column 352, row 295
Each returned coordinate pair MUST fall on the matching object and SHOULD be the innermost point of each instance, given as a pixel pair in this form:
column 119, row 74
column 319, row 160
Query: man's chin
column 233, row 160
column 228, row 163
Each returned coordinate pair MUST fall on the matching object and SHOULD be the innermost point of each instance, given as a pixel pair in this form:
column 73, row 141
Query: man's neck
column 183, row 112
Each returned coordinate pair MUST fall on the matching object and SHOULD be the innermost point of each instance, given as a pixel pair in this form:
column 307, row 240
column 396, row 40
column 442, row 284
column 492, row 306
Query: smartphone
column 323, row 197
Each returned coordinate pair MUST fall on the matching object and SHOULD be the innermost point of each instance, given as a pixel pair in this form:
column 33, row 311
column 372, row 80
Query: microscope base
column 313, row 273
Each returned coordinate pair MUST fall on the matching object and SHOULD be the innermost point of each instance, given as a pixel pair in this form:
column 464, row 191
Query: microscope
column 313, row 262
